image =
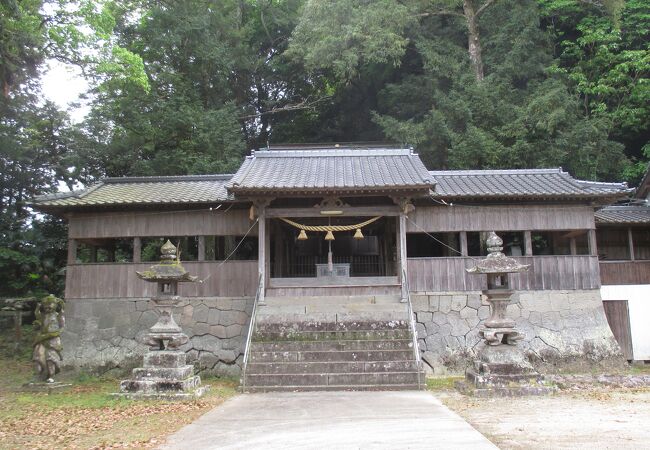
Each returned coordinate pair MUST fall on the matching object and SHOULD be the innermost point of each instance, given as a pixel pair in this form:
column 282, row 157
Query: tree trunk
column 473, row 38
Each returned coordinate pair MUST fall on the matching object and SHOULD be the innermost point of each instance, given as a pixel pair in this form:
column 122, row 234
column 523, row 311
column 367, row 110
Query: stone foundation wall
column 106, row 334
column 565, row 330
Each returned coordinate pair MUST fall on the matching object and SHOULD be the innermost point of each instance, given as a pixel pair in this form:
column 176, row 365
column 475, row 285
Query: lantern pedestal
column 501, row 370
column 165, row 374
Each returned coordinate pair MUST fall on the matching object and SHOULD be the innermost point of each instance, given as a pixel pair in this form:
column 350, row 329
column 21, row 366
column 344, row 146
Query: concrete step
column 288, row 346
column 332, row 356
column 333, row 300
column 332, row 379
column 351, row 335
column 330, row 367
column 358, row 387
column 274, row 316
column 331, row 308
column 264, row 326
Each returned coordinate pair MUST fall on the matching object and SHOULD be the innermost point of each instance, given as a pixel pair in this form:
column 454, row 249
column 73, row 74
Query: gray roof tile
column 628, row 215
column 144, row 190
column 331, row 170
column 520, row 183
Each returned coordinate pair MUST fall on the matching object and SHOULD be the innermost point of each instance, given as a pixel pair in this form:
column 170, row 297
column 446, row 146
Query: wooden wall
column 501, row 218
column 159, row 223
column 546, row 272
column 114, row 280
column 625, row 272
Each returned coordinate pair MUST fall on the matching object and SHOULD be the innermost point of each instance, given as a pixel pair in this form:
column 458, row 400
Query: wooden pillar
column 463, row 243
column 72, row 251
column 137, row 250
column 201, row 256
column 261, row 249
column 630, row 243
column 593, row 247
column 403, row 255
column 528, row 243
column 573, row 246
column 93, row 253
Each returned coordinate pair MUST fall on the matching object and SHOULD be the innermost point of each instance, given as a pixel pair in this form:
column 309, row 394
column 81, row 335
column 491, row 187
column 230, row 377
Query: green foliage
column 342, row 35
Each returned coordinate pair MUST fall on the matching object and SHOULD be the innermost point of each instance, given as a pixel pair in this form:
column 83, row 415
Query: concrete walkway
column 330, row 420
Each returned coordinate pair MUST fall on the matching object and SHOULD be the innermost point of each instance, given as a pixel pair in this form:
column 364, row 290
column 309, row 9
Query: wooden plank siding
column 618, row 317
column 501, row 218
column 546, row 272
column 172, row 223
column 625, row 272
column 115, row 280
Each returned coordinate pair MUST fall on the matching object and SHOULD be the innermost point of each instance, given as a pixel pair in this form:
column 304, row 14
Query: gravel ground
column 581, row 416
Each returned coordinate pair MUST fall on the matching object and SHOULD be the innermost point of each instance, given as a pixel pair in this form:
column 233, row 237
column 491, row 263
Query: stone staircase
column 332, row 343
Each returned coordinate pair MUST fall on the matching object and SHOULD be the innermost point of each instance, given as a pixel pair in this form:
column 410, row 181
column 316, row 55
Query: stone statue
column 47, row 342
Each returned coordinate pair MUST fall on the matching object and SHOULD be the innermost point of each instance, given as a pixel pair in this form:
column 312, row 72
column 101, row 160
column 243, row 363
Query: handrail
column 414, row 333
column 249, row 337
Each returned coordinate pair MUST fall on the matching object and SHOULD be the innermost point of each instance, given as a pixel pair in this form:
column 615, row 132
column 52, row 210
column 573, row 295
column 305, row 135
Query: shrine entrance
column 302, row 248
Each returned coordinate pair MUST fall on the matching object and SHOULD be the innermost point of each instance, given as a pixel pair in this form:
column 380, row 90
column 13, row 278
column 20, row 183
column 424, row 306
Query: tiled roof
column 522, row 183
column 143, row 190
column 335, row 170
column 629, row 215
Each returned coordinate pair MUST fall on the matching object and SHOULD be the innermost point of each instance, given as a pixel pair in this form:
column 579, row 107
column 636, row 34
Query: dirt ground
column 598, row 418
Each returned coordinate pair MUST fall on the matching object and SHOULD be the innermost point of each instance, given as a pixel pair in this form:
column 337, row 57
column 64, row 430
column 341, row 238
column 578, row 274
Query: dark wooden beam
column 347, row 211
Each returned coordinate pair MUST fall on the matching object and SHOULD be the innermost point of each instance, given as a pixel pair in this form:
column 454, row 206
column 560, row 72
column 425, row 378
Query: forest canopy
column 189, row 87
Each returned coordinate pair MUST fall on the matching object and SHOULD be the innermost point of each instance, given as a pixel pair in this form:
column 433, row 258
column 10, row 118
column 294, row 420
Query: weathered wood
column 402, row 255
column 233, row 278
column 593, row 245
column 618, row 317
column 630, row 243
column 180, row 223
column 261, row 257
column 500, row 218
column 625, row 272
column 463, row 243
column 137, row 250
column 201, row 248
column 347, row 211
column 572, row 245
column 546, row 272
column 528, row 243
column 72, row 251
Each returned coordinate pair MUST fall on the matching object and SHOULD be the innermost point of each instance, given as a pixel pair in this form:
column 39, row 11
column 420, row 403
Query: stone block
column 239, row 304
column 474, row 301
column 445, row 330
column 468, row 312
column 431, row 328
column 227, row 356
column 200, row 329
column 552, row 321
column 424, row 316
column 420, row 302
column 513, row 311
column 201, row 312
column 458, row 302
column 148, row 318
column 559, row 301
column 218, row 331
column 483, row 312
column 434, row 303
column 213, row 316
column 459, row 326
column 233, row 330
column 420, row 330
column 445, row 304
column 439, row 317
column 224, row 304
column 535, row 318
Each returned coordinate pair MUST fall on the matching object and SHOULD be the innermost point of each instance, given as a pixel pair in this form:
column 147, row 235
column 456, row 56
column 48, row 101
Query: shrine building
column 361, row 242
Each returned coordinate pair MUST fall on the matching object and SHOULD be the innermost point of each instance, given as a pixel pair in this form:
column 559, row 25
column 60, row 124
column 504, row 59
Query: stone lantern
column 166, row 373
column 501, row 368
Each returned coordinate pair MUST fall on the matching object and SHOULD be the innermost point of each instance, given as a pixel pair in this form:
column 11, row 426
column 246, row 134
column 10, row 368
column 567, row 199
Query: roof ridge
column 167, row 178
column 557, row 170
